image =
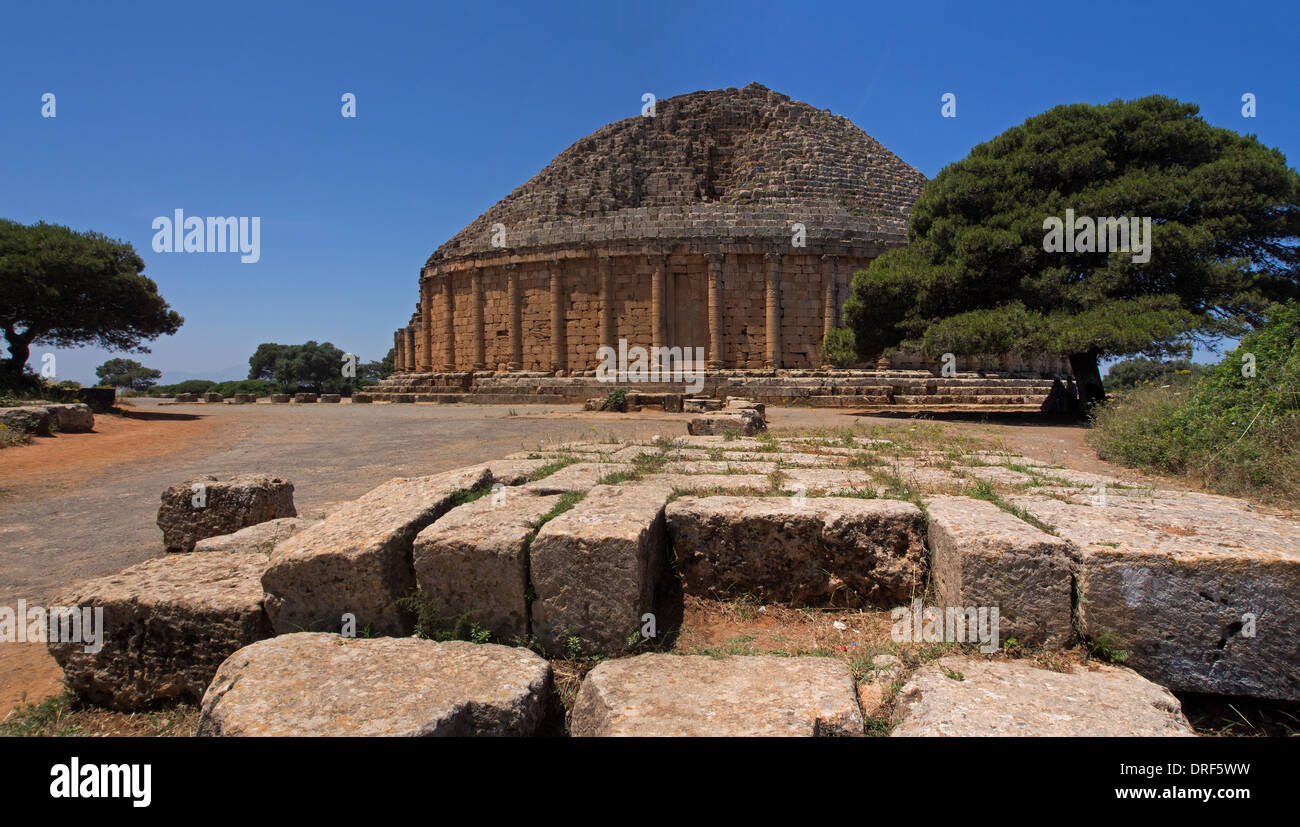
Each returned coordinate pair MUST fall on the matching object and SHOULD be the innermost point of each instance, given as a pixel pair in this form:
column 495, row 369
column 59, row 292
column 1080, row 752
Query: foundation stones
column 209, row 507
column 28, row 419
column 981, row 556
column 1202, row 597
column 262, row 538
column 72, row 419
column 168, row 624
column 694, row 695
column 357, row 561
column 810, row 551
column 579, row 476
column 321, row 684
column 595, row 569
column 960, row 696
column 739, row 422
column 474, row 561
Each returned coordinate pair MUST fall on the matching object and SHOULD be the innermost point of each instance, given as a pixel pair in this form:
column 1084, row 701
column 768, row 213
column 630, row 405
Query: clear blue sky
column 233, row 109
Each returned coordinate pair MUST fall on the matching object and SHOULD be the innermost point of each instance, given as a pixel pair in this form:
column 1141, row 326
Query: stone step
column 695, row 695
column 474, row 560
column 311, row 684
column 1200, row 593
column 357, row 561
column 961, row 696
column 982, row 556
column 801, row 551
column 595, row 569
column 168, row 624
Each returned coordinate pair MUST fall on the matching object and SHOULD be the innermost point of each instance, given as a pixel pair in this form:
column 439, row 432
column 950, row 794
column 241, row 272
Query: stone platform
column 858, row 389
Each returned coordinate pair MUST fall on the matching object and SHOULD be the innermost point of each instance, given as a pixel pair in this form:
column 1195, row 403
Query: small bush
column 1231, row 431
column 616, row 401
column 839, row 348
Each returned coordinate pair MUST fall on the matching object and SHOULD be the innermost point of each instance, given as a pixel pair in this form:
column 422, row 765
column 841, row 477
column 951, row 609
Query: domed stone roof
column 726, row 166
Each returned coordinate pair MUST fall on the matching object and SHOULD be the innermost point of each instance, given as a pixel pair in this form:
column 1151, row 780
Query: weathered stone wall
column 481, row 300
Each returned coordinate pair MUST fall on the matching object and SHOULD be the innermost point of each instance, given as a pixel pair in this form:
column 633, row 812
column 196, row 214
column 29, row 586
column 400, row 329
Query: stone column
column 399, row 344
column 426, row 323
column 608, row 323
column 658, row 296
column 831, row 276
column 516, row 317
column 558, row 350
column 773, row 301
column 410, row 348
column 448, row 324
column 715, row 309
column 476, row 303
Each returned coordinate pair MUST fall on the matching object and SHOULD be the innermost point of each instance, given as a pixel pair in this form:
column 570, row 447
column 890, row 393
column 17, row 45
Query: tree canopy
column 127, row 373
column 65, row 288
column 980, row 276
column 319, row 366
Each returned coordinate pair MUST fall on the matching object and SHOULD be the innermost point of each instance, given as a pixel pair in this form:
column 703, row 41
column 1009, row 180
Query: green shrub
column 839, row 348
column 1143, row 371
column 616, row 401
column 1236, row 433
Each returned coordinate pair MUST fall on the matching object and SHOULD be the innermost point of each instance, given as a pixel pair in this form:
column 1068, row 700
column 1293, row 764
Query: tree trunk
column 1088, row 376
column 19, row 351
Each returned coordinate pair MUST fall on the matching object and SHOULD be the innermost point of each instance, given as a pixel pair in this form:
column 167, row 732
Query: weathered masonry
column 730, row 220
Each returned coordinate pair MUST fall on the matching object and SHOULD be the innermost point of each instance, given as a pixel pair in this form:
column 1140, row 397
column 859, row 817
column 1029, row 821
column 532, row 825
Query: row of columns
column 435, row 285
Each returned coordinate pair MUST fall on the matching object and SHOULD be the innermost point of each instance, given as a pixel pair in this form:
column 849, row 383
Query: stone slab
column 1203, row 597
column 580, row 476
column 262, row 537
column 981, row 556
column 358, row 559
column 474, row 560
column 313, row 684
column 168, row 624
column 810, row 551
column 694, row 696
column 209, row 507
column 595, row 569
column 1016, row 698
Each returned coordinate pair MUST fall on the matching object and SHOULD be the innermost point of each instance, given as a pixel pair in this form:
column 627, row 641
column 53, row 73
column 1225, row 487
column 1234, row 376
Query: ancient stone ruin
column 304, row 626
column 726, row 227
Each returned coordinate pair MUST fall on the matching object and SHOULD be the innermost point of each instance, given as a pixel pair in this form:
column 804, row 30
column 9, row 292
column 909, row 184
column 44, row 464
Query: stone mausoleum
column 729, row 220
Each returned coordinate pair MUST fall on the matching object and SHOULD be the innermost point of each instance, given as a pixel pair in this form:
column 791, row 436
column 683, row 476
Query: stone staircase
column 895, row 390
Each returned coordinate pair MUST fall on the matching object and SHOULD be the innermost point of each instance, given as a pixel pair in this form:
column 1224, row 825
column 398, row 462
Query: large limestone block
column 962, row 696
column 809, row 551
column 981, row 556
column 358, row 560
column 263, row 537
column 693, row 483
column 27, row 419
column 514, row 471
column 595, row 568
column 209, row 507
column 742, row 422
column 313, row 684
column 580, row 476
column 693, row 695
column 1203, row 596
column 168, row 624
column 72, row 419
column 475, row 560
